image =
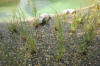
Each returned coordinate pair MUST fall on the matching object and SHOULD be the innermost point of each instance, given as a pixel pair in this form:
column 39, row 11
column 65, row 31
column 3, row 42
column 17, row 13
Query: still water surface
column 8, row 7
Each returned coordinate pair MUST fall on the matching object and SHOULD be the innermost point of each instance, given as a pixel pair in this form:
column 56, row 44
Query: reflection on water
column 7, row 7
column 7, row 3
column 27, row 5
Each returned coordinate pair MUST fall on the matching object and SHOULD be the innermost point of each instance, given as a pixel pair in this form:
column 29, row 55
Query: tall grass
column 60, row 37
column 31, row 41
column 90, row 31
column 77, row 21
column 21, row 34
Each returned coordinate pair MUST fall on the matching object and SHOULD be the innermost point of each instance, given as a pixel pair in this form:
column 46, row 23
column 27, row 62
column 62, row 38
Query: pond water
column 8, row 7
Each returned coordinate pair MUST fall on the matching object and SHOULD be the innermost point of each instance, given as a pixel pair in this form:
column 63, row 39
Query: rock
column 43, row 19
column 68, row 11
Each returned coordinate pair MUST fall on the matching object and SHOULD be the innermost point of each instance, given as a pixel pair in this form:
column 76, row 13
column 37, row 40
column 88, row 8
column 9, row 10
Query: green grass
column 31, row 42
column 77, row 20
column 60, row 38
column 88, row 37
column 90, row 31
column 22, row 33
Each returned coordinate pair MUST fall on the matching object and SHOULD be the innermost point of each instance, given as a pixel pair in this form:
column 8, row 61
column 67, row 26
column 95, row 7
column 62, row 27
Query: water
column 43, row 6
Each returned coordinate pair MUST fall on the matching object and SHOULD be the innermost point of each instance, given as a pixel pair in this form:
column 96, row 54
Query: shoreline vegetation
column 64, row 12
column 70, row 38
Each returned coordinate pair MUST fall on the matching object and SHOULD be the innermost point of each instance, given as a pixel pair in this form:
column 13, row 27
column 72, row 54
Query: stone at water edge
column 43, row 18
column 68, row 11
